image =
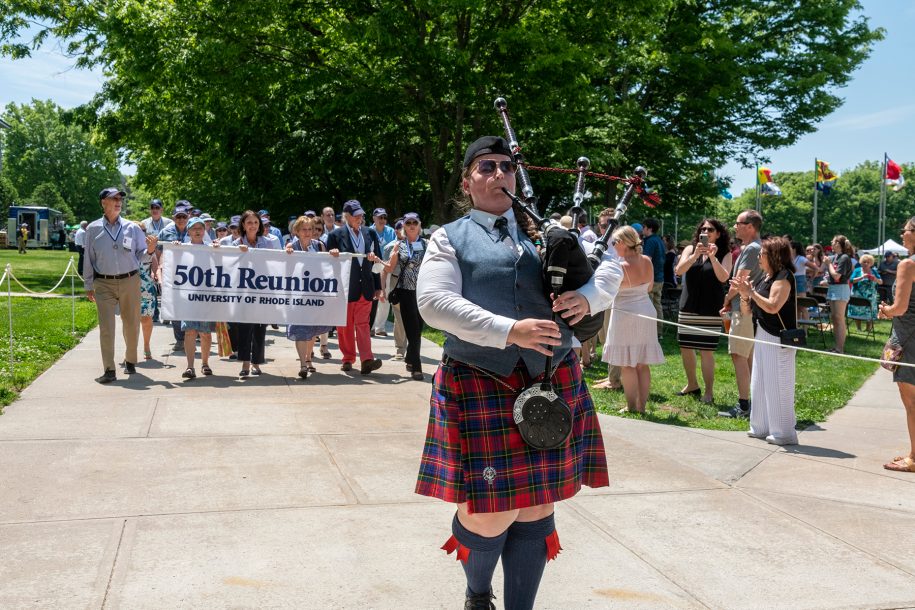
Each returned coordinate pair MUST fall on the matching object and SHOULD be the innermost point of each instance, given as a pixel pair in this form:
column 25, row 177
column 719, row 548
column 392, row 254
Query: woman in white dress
column 632, row 341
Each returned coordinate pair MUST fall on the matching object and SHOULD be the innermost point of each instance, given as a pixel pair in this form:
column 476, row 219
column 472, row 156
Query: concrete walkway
column 278, row 493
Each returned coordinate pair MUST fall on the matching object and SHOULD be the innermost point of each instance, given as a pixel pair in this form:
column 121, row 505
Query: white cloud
column 871, row 120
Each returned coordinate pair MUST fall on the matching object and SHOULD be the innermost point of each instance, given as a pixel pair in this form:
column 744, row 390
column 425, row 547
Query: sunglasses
column 740, row 222
column 180, row 216
column 411, row 222
column 707, row 229
column 488, row 166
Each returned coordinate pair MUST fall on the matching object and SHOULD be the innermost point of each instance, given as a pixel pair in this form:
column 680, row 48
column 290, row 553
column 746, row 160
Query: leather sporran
column 543, row 418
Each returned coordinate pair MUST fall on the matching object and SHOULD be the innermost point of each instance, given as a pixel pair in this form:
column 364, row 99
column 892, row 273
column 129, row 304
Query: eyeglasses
column 908, row 230
column 488, row 166
column 741, row 222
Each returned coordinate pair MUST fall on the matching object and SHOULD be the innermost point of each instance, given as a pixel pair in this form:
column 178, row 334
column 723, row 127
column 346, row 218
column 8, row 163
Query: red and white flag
column 894, row 175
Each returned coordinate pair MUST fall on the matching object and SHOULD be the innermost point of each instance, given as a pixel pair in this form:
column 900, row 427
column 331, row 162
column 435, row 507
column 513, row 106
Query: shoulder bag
column 793, row 337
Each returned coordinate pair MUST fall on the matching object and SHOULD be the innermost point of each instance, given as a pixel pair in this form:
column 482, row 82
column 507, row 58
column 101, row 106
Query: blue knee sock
column 523, row 558
column 482, row 559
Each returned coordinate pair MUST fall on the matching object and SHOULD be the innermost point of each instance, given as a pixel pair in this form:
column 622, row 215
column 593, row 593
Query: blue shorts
column 800, row 281
column 838, row 292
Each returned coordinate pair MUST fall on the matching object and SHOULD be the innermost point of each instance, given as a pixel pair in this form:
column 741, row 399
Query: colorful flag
column 826, row 179
column 894, row 175
column 766, row 185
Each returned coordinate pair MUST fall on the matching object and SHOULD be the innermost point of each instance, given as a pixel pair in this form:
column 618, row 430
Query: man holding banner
column 114, row 248
column 364, row 286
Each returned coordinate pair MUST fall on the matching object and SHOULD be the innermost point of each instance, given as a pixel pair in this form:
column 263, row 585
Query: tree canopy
column 851, row 209
column 291, row 105
column 48, row 153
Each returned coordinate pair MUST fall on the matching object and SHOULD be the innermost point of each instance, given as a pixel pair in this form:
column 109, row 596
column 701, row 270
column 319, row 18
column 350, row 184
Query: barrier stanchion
column 9, row 296
column 72, row 299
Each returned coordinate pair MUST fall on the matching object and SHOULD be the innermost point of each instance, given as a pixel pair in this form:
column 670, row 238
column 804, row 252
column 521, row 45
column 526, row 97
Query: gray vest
column 496, row 279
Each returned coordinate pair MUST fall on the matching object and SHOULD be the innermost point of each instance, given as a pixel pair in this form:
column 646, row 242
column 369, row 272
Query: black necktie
column 502, row 225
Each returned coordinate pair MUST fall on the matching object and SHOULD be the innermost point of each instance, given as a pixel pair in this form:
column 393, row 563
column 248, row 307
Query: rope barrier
column 705, row 331
column 9, row 269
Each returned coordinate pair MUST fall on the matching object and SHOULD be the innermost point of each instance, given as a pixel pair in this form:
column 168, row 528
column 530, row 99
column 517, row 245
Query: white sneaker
column 781, row 441
column 752, row 434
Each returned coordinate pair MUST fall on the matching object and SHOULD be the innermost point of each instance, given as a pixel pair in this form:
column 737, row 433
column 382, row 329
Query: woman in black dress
column 705, row 266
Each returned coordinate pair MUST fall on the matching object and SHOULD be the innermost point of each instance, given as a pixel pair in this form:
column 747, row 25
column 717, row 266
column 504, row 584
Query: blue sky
column 878, row 114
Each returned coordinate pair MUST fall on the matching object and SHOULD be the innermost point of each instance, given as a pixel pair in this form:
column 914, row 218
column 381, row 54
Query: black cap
column 110, row 192
column 485, row 146
column 155, row 203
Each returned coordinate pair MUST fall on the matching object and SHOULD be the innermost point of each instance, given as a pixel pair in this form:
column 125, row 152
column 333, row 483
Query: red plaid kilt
column 471, row 430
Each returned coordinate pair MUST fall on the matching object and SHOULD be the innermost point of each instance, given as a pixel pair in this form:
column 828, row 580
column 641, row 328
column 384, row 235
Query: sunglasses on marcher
column 488, row 166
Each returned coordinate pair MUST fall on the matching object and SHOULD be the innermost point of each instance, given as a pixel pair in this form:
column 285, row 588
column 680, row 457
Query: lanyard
column 154, row 227
column 358, row 243
column 114, row 237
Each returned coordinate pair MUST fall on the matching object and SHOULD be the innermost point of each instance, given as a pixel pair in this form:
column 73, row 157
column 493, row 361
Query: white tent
column 889, row 246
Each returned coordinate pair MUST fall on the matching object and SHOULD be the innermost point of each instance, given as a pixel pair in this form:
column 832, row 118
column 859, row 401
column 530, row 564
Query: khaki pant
column 613, row 372
column 109, row 295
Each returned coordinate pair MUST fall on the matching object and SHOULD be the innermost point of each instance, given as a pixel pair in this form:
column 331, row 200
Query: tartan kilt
column 474, row 453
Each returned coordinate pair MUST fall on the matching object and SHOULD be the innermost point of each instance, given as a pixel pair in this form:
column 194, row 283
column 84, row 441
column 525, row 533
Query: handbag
column 892, row 353
column 393, row 299
column 792, row 337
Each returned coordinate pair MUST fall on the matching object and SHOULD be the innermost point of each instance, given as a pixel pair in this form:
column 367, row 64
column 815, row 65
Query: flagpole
column 815, row 197
column 881, row 223
column 757, row 186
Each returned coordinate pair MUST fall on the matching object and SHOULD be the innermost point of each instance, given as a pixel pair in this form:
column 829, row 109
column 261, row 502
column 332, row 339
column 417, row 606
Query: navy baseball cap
column 155, row 203
column 263, row 213
column 265, row 219
column 196, row 212
column 180, row 210
column 111, row 191
column 234, row 221
column 353, row 208
column 399, row 224
column 310, row 214
column 221, row 225
column 380, row 212
column 411, row 216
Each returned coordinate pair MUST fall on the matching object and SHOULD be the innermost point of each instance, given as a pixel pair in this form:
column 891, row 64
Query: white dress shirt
column 438, row 289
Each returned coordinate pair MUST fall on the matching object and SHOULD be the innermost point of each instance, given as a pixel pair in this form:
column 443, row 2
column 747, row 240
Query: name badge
column 127, row 242
column 417, row 246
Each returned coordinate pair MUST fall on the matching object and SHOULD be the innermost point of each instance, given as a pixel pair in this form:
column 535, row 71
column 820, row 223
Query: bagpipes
column 566, row 266
column 543, row 417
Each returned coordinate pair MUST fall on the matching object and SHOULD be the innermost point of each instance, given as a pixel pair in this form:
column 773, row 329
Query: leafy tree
column 8, row 196
column 46, row 145
column 851, row 209
column 288, row 105
column 47, row 195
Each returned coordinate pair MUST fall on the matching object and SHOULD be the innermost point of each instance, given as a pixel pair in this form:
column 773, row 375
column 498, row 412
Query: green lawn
column 41, row 335
column 824, row 383
column 39, row 270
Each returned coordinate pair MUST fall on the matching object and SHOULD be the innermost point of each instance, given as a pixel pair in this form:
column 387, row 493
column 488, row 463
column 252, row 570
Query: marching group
column 480, row 280
column 119, row 263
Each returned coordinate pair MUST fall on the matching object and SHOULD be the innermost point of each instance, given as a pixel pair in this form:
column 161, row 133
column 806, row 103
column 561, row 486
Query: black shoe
column 189, row 373
column 108, row 377
column 480, row 601
column 735, row 412
column 417, row 376
column 274, row 327
column 370, row 365
column 346, row 366
column 130, row 368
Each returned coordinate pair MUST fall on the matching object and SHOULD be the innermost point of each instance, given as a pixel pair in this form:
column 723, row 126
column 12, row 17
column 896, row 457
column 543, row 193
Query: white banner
column 206, row 284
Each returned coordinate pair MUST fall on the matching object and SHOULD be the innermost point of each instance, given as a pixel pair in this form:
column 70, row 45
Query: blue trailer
column 47, row 226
